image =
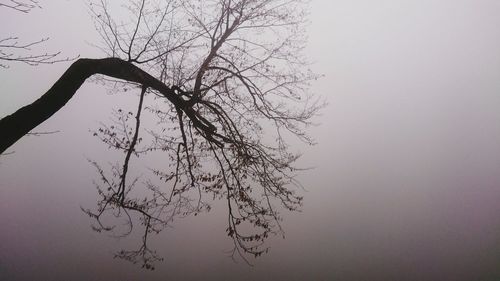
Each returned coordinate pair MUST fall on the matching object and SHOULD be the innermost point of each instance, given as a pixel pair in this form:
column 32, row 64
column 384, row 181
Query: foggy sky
column 406, row 178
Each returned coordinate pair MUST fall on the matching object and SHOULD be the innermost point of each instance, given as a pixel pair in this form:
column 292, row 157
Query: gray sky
column 407, row 177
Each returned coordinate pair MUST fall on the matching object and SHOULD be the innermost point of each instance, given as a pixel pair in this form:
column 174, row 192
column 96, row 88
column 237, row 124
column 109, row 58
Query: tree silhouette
column 225, row 82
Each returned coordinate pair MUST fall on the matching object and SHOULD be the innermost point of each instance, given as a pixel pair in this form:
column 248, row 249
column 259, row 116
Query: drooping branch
column 131, row 149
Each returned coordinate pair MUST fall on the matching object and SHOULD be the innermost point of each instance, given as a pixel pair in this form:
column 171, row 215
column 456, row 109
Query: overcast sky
column 406, row 184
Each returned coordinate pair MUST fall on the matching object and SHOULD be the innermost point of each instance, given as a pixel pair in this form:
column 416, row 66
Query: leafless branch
column 19, row 5
column 13, row 51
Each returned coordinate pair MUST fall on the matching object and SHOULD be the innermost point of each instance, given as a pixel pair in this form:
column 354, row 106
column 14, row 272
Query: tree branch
column 15, row 126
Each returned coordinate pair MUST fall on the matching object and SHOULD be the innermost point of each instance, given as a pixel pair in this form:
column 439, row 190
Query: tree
column 226, row 82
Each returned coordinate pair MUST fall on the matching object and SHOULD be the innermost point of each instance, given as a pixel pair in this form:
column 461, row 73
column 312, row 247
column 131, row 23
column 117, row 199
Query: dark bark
column 15, row 126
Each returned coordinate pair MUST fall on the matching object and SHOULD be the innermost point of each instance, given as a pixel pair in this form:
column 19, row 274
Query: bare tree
column 226, row 82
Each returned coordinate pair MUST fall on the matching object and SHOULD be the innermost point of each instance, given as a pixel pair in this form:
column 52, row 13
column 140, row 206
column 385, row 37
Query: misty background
column 406, row 178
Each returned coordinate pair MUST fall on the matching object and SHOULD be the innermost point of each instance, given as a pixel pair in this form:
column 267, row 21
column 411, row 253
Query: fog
column 405, row 182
